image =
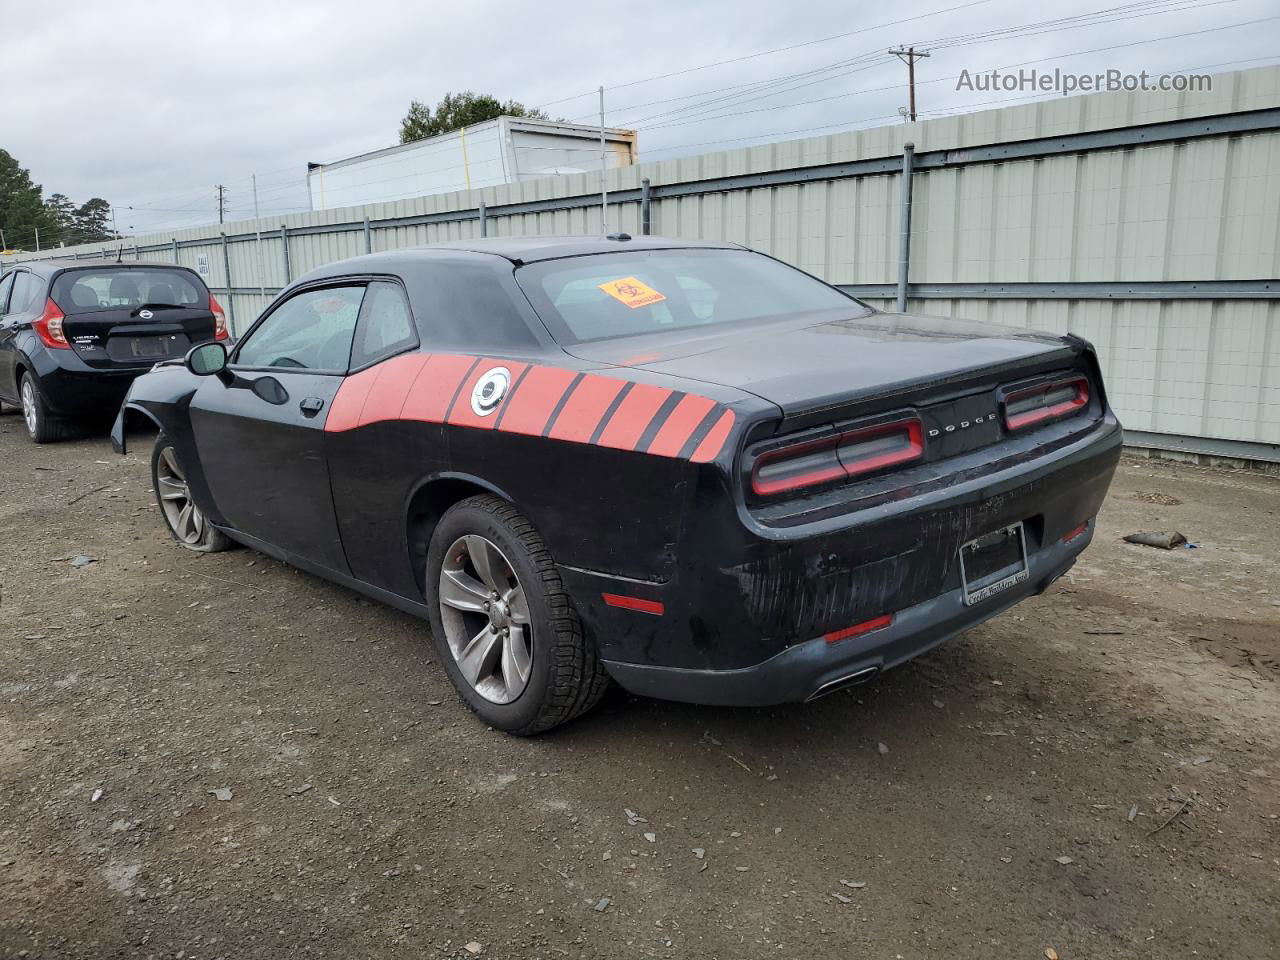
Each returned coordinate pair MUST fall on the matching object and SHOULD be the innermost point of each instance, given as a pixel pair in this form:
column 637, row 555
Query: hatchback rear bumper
column 91, row 393
column 816, row 667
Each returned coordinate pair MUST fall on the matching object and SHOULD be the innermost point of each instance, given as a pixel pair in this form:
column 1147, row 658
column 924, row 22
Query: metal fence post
column 368, row 237
column 284, row 249
column 484, row 220
column 904, row 248
column 174, row 243
column 226, row 270
column 644, row 206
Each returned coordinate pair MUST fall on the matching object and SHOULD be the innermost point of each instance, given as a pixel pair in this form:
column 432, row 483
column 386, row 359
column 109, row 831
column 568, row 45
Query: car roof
column 496, row 250
column 532, row 249
column 45, row 268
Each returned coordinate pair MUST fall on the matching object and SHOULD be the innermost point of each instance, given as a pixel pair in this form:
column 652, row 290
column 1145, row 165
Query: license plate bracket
column 993, row 563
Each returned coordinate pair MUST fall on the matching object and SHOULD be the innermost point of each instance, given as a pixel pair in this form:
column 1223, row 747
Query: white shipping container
column 500, row 151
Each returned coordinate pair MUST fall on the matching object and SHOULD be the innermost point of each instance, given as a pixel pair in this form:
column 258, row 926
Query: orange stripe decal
column 463, row 415
column 586, row 405
column 433, row 389
column 528, row 411
column 628, row 423
column 713, row 442
column 344, row 412
column 390, row 390
column 680, row 425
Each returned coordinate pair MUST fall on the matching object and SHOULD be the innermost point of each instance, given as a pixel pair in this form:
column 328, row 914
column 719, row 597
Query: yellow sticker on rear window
column 632, row 292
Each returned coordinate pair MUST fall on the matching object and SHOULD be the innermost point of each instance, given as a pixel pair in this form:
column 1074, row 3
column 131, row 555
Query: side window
column 386, row 326
column 5, row 286
column 311, row 330
column 25, row 288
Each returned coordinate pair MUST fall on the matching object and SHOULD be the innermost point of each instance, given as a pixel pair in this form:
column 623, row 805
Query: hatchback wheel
column 186, row 522
column 503, row 625
column 42, row 426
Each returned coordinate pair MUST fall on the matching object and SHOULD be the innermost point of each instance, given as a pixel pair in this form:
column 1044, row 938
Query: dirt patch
column 1014, row 806
column 1247, row 646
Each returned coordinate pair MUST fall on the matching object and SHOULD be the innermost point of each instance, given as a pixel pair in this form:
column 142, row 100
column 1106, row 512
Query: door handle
column 311, row 406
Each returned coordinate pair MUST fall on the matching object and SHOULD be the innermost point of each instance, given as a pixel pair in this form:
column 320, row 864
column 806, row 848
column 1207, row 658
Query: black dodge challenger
column 687, row 467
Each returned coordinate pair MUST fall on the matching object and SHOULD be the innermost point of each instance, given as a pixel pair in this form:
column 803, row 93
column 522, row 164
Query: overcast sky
column 150, row 104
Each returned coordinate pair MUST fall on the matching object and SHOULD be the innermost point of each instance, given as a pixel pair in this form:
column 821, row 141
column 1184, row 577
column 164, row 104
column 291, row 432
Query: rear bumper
column 72, row 388
column 743, row 620
column 816, row 667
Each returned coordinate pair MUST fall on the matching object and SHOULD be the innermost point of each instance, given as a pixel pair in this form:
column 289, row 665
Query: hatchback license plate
column 993, row 563
column 149, row 346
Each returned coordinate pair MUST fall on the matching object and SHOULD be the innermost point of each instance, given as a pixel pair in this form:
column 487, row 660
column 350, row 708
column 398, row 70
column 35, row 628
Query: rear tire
column 42, row 426
column 527, row 665
column 186, row 522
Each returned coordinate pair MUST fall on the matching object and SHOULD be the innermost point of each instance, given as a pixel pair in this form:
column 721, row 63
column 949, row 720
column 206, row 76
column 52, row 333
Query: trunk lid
column 816, row 371
column 132, row 316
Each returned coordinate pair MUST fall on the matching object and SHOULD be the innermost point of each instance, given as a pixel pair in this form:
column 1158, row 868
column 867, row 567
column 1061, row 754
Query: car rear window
column 657, row 291
column 103, row 288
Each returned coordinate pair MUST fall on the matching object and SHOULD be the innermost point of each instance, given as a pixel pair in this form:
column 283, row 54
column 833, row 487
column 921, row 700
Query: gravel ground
column 218, row 756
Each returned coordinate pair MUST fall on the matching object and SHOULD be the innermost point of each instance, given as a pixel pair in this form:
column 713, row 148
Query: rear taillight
column 839, row 456
column 49, row 327
column 1045, row 402
column 220, row 331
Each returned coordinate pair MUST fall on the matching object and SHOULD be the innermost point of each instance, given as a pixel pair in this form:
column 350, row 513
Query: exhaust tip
column 852, row 680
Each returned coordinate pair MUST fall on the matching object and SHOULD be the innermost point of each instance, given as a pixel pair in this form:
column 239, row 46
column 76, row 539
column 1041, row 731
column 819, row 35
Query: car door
column 260, row 432
column 367, row 465
column 8, row 334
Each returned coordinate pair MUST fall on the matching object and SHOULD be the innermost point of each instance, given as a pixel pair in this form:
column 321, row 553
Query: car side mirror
column 206, row 359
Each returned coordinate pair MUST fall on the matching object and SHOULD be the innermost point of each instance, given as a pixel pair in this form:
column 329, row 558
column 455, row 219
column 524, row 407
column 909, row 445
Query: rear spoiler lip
column 908, row 393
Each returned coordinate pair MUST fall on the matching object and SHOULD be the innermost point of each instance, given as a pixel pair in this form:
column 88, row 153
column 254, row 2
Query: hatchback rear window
column 657, row 291
column 89, row 291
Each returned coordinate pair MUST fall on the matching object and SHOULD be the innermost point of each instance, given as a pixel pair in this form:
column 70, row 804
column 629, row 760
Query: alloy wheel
column 486, row 619
column 184, row 517
column 29, row 406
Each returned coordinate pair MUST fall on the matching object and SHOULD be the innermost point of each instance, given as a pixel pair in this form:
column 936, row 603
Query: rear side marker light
column 49, row 327
column 843, row 455
column 220, row 331
column 1077, row 532
column 1045, row 402
column 637, row 604
column 857, row 630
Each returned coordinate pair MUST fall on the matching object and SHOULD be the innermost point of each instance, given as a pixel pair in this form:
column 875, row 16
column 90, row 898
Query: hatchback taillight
column 1044, row 402
column 49, row 327
column 220, row 331
column 851, row 453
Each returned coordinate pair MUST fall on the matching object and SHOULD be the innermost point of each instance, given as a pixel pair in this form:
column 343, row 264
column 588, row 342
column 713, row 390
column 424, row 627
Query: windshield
column 660, row 291
column 124, row 288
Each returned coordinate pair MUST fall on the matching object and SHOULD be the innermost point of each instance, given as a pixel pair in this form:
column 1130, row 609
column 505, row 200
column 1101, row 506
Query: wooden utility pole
column 222, row 201
column 909, row 56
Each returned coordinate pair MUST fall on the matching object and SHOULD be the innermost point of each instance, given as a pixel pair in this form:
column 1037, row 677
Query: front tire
column 186, row 522
column 503, row 625
column 42, row 426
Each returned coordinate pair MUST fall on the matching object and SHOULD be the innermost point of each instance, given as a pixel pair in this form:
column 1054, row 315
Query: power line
column 1143, row 8
column 1008, row 66
column 766, row 53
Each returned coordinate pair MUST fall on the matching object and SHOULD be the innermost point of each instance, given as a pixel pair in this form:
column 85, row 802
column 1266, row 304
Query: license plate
column 993, row 563
column 149, row 346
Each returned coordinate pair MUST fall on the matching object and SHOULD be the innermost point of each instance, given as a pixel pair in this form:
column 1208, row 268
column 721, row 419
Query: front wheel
column 503, row 624
column 186, row 522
